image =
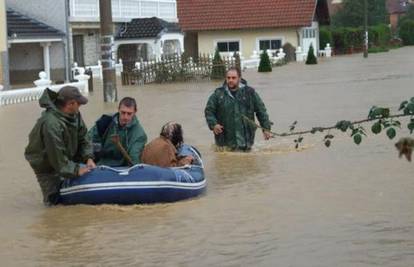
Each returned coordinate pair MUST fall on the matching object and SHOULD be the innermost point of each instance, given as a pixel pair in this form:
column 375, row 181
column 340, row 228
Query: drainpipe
column 66, row 42
column 4, row 48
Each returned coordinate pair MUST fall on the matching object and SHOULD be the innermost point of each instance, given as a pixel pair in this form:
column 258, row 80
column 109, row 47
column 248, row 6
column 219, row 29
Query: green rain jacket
column 57, row 144
column 227, row 110
column 132, row 138
column 58, row 141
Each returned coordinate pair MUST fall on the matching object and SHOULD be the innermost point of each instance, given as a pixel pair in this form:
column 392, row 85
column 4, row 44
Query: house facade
column 250, row 25
column 37, row 40
column 84, row 24
column 396, row 9
column 4, row 62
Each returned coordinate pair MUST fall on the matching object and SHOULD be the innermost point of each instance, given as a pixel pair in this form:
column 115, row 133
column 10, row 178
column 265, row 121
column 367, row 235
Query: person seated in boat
column 119, row 139
column 162, row 151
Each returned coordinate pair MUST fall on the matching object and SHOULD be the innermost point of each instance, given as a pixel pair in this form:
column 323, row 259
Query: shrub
column 311, row 59
column 290, row 52
column 407, row 32
column 219, row 69
column 378, row 49
column 325, row 37
column 265, row 65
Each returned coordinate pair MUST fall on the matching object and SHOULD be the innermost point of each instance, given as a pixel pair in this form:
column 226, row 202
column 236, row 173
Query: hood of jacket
column 47, row 101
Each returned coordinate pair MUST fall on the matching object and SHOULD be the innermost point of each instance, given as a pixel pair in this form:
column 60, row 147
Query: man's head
column 233, row 77
column 69, row 99
column 127, row 109
column 173, row 132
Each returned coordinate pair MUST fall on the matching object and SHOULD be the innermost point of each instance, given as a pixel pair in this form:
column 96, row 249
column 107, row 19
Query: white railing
column 97, row 69
column 124, row 10
column 254, row 60
column 16, row 96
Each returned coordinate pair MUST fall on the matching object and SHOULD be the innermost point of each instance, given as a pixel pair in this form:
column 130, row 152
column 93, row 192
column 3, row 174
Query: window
column 231, row 46
column 270, row 44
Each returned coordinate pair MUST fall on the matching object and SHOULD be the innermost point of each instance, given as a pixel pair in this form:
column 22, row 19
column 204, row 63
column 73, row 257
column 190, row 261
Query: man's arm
column 56, row 151
column 85, row 143
column 261, row 112
column 210, row 111
column 137, row 143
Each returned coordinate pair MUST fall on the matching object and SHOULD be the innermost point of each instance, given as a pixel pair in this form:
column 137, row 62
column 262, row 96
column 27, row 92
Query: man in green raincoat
column 128, row 131
column 230, row 113
column 58, row 146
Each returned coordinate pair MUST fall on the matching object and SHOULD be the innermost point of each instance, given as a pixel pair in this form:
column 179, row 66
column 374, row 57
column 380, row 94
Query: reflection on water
column 276, row 206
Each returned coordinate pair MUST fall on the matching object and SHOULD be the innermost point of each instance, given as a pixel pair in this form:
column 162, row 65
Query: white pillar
column 46, row 58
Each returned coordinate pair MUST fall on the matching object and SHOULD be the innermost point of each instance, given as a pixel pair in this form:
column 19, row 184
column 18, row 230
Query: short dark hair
column 236, row 69
column 128, row 102
column 173, row 132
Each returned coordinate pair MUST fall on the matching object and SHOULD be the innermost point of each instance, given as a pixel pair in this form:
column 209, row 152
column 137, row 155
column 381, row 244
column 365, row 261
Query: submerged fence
column 176, row 68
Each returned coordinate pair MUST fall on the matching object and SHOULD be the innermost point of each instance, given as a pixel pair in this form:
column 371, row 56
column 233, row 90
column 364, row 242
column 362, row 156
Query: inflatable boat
column 140, row 184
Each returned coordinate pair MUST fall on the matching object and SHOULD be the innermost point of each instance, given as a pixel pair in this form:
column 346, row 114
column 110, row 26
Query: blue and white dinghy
column 139, row 184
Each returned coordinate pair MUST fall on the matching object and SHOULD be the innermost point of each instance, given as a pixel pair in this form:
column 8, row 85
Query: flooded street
column 342, row 206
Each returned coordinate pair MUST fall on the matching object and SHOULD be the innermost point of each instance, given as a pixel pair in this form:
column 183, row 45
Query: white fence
column 97, row 69
column 16, row 96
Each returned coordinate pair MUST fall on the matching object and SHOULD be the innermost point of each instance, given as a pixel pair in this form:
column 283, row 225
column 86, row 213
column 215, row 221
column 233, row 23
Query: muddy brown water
column 343, row 206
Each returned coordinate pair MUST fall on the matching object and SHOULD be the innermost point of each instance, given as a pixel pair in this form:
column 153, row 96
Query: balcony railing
column 124, row 10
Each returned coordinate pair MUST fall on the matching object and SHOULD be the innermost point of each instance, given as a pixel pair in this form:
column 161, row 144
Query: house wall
column 3, row 45
column 91, row 45
column 248, row 38
column 26, row 61
column 52, row 13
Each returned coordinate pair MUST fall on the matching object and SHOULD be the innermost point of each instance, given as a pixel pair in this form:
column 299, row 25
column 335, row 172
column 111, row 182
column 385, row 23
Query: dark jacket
column 57, row 142
column 57, row 145
column 227, row 110
column 132, row 138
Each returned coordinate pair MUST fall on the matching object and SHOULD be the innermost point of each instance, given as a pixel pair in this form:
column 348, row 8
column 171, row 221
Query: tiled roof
column 397, row 6
column 195, row 15
column 146, row 28
column 21, row 26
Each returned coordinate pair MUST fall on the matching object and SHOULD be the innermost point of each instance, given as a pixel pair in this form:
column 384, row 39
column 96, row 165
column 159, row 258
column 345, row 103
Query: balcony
column 124, row 10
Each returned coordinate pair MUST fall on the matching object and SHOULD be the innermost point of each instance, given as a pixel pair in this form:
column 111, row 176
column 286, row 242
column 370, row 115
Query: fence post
column 43, row 80
column 83, row 78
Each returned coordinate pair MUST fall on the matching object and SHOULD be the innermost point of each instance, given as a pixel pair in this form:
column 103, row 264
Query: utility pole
column 365, row 28
column 107, row 44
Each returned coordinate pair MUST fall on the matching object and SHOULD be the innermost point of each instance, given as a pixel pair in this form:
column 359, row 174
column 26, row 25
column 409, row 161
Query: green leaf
column 329, row 136
column 396, row 123
column 313, row 131
column 412, row 99
column 343, row 125
column 328, row 143
column 377, row 112
column 410, row 108
column 376, row 128
column 300, row 139
column 403, row 104
column 297, row 146
column 411, row 127
column 357, row 139
column 391, row 133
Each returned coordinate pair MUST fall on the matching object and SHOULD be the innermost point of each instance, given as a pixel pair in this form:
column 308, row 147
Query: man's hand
column 218, row 129
column 83, row 170
column 186, row 160
column 267, row 135
column 90, row 164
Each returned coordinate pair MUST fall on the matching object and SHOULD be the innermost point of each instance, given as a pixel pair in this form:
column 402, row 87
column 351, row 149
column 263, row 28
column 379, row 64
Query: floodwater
column 343, row 206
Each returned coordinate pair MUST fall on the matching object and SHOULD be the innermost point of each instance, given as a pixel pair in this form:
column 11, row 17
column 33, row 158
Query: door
column 310, row 36
column 78, row 50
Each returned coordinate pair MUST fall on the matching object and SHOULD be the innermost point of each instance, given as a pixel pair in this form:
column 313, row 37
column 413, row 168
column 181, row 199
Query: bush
column 311, row 59
column 218, row 70
column 379, row 35
column 290, row 52
column 378, row 49
column 265, row 65
column 325, row 37
column 407, row 32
